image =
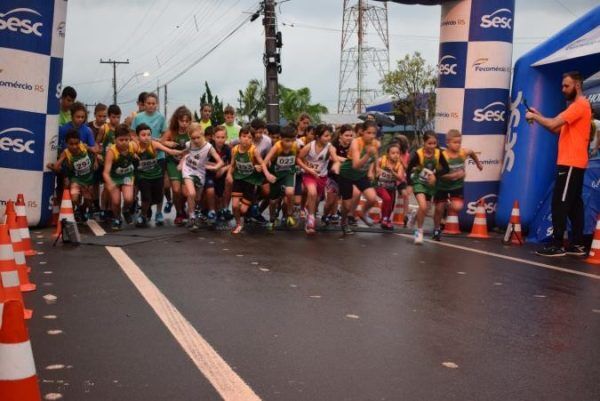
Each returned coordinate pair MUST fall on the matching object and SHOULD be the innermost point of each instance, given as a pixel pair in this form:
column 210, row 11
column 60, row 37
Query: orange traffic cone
column 66, row 211
column 399, row 214
column 594, row 257
column 479, row 229
column 19, row 253
column 24, row 225
column 361, row 207
column 375, row 212
column 513, row 231
column 18, row 379
column 8, row 272
column 55, row 209
column 452, row 225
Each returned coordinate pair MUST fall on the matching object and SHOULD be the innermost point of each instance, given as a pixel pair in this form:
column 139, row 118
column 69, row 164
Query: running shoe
column 437, row 235
column 575, row 250
column 179, row 220
column 386, row 225
column 309, row 227
column 290, row 221
column 418, row 237
column 227, row 214
column 347, row 229
column 352, row 221
column 116, row 225
column 141, row 221
column 237, row 229
column 159, row 219
column 270, row 226
column 211, row 217
column 128, row 218
column 326, row 219
column 335, row 218
column 366, row 219
column 260, row 220
column 102, row 216
column 551, row 251
column 168, row 207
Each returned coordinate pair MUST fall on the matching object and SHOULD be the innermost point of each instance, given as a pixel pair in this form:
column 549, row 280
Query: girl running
column 358, row 171
column 389, row 172
column 341, row 143
column 314, row 159
column 425, row 166
column 176, row 137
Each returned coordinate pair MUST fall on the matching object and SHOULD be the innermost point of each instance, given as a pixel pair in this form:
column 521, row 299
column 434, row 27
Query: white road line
column 497, row 255
column 95, row 227
column 228, row 384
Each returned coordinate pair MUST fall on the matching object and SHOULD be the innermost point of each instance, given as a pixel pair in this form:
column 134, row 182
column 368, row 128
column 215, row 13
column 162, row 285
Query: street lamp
column 137, row 74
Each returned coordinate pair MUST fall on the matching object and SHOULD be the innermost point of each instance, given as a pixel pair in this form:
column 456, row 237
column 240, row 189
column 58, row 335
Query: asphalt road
column 369, row 317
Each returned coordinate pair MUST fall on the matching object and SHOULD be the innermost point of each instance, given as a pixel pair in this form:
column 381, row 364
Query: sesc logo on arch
column 485, row 111
column 492, row 21
column 22, row 140
column 26, row 27
column 452, row 65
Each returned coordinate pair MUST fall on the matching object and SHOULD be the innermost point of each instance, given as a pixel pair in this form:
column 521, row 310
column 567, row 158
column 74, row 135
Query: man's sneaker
column 366, row 219
column 347, row 229
column 168, row 207
column 141, row 221
column 159, row 219
column 127, row 217
column 116, row 224
column 418, row 237
column 437, row 235
column 551, row 251
column 575, row 250
column 352, row 221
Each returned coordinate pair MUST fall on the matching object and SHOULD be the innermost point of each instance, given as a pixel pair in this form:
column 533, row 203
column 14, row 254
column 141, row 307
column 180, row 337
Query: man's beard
column 570, row 96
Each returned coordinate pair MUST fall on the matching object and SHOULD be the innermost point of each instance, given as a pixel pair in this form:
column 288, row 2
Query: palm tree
column 253, row 100
column 294, row 102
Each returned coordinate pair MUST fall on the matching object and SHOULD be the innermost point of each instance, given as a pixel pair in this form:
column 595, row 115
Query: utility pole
column 114, row 64
column 272, row 60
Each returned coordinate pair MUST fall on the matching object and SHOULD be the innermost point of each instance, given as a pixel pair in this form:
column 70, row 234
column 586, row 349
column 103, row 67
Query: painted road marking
column 513, row 259
column 228, row 384
column 95, row 227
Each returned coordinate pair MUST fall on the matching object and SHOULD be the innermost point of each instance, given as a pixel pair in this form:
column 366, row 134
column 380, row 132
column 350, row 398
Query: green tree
column 207, row 97
column 252, row 100
column 413, row 83
column 294, row 102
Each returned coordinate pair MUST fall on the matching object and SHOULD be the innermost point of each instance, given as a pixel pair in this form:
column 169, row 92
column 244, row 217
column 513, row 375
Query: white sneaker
column 418, row 237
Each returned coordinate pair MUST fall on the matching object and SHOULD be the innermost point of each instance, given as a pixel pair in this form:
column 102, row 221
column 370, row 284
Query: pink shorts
column 320, row 183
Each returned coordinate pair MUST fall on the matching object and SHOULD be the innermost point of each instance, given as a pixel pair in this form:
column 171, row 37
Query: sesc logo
column 512, row 135
column 448, row 65
column 10, row 143
column 501, row 19
column 19, row 20
column 493, row 112
column 489, row 202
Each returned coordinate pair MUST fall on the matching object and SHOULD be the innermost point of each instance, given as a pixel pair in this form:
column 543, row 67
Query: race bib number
column 193, row 162
column 245, row 168
column 147, row 165
column 82, row 166
column 285, row 163
column 124, row 170
column 424, row 175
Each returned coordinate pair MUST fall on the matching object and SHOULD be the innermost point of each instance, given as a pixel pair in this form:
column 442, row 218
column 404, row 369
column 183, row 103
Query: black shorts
column 244, row 189
column 443, row 196
column 151, row 190
column 298, row 186
column 347, row 186
column 210, row 180
column 217, row 183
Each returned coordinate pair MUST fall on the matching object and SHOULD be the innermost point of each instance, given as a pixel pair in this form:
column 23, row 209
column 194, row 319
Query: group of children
column 201, row 169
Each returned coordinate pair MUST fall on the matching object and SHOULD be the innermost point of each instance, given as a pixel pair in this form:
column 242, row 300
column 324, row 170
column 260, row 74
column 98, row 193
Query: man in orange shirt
column 573, row 126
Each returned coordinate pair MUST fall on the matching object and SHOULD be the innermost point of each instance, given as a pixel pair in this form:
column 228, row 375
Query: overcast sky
column 163, row 37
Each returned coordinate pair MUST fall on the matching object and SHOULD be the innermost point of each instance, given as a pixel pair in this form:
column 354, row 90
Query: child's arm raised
column 470, row 153
column 56, row 167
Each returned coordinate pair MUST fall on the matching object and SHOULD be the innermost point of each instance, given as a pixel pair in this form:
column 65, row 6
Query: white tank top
column 195, row 162
column 320, row 161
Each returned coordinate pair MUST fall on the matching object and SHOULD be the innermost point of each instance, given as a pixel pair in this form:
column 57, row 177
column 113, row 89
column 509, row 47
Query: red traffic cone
column 18, row 379
column 479, row 229
column 452, row 225
column 24, row 225
column 513, row 231
column 19, row 253
column 66, row 210
column 9, row 275
column 594, row 256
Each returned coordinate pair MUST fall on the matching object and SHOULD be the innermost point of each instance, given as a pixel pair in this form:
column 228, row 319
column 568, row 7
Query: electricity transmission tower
column 363, row 62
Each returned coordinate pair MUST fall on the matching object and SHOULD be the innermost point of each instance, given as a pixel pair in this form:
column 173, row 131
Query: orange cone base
column 451, row 231
column 27, row 287
column 478, row 236
column 20, row 390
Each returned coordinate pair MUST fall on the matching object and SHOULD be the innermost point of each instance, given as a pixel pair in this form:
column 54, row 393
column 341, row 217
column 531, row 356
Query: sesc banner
column 32, row 34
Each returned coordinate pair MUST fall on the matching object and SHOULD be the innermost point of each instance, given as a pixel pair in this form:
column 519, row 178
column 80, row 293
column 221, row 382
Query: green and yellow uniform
column 455, row 164
column 244, row 166
column 283, row 167
column 426, row 165
column 80, row 166
column 349, row 172
column 148, row 167
column 173, row 161
column 123, row 168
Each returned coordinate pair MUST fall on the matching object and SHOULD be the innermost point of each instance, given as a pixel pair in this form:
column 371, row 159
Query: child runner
column 67, row 98
column 232, row 128
column 193, row 167
column 341, row 143
column 449, row 187
column 216, row 192
column 358, row 171
column 425, row 166
column 119, row 175
column 98, row 127
column 314, row 159
column 105, row 138
column 389, row 171
column 176, row 137
column 80, row 165
column 149, row 176
column 245, row 173
column 279, row 167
